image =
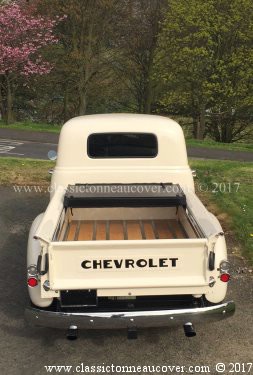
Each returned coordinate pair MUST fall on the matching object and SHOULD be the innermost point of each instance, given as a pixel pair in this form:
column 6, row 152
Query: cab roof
column 72, row 149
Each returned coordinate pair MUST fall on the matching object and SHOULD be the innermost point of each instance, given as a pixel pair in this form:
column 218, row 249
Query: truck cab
column 125, row 242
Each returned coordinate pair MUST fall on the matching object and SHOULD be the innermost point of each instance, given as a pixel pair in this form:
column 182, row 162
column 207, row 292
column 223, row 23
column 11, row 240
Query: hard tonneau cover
column 124, row 195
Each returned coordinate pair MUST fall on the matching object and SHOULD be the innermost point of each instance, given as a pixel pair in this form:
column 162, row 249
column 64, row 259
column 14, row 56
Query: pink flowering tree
column 22, row 35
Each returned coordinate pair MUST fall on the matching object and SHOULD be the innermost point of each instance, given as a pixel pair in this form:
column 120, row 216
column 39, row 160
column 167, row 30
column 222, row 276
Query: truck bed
column 107, row 248
column 102, row 212
column 95, row 230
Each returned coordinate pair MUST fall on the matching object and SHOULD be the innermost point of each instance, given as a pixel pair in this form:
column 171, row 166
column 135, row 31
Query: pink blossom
column 22, row 35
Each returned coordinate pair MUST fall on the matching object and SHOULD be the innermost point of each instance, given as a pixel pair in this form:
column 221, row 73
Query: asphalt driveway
column 27, row 350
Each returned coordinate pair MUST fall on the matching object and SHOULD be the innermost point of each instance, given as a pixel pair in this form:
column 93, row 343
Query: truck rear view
column 125, row 242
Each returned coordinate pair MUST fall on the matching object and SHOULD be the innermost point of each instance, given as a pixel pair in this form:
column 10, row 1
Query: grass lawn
column 29, row 125
column 16, row 171
column 225, row 187
column 224, row 146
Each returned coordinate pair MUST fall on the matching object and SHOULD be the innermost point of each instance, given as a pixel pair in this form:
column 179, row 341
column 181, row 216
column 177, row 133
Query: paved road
column 27, row 350
column 25, row 149
column 208, row 153
column 27, row 144
column 37, row 144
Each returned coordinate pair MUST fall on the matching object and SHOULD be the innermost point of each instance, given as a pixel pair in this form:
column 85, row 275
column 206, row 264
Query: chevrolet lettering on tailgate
column 129, row 263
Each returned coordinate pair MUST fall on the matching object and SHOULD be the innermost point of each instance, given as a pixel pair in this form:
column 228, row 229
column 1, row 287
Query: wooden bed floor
column 122, row 230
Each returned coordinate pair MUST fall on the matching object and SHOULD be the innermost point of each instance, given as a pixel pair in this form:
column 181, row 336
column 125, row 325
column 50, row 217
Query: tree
column 84, row 49
column 22, row 35
column 230, row 87
column 136, row 47
column 205, row 60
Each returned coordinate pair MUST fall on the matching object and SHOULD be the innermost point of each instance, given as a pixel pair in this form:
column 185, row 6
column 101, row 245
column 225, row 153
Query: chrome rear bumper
column 105, row 320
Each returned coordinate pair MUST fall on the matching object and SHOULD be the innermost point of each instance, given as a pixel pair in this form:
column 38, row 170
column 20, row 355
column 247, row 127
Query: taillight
column 32, row 276
column 32, row 282
column 225, row 277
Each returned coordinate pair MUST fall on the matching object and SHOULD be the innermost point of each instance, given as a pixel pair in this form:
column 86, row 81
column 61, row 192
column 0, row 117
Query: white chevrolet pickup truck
column 125, row 242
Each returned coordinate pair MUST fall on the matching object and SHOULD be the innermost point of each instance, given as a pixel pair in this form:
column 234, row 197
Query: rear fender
column 33, row 251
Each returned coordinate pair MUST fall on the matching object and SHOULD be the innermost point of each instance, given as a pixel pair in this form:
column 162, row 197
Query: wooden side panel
column 134, row 230
column 116, row 231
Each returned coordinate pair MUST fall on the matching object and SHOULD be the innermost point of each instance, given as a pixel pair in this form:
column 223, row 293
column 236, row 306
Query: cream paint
column 191, row 276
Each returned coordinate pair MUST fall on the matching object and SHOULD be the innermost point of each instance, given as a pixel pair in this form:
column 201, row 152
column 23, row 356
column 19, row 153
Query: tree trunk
column 215, row 123
column 148, row 99
column 197, row 134
column 9, row 112
column 82, row 93
column 85, row 71
column 227, row 130
column 194, row 127
column 2, row 109
column 199, row 125
column 202, row 123
column 65, row 104
column 82, row 102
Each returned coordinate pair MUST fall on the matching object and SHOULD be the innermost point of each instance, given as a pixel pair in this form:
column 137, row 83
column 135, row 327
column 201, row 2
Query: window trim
column 122, row 157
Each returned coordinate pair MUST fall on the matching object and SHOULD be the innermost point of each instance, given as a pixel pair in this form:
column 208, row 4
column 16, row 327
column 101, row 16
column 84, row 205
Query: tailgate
column 115, row 265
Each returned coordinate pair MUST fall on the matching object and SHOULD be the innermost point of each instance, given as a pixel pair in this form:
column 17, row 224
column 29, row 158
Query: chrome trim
column 212, row 281
column 227, row 267
column 105, row 320
column 46, row 285
column 32, row 271
column 194, row 173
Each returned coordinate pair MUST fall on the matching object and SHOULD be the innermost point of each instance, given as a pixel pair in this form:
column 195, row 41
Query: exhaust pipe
column 132, row 333
column 72, row 333
column 189, row 330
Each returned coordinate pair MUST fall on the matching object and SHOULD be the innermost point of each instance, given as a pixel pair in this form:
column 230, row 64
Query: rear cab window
column 122, row 145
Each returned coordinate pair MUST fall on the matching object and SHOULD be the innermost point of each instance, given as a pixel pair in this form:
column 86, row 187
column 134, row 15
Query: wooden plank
column 125, row 230
column 154, row 229
column 143, row 234
column 101, row 231
column 163, row 229
column 107, row 229
column 77, row 230
column 86, row 231
column 134, row 230
column 148, row 229
column 171, row 228
column 176, row 228
column 116, row 230
column 94, row 234
column 72, row 231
